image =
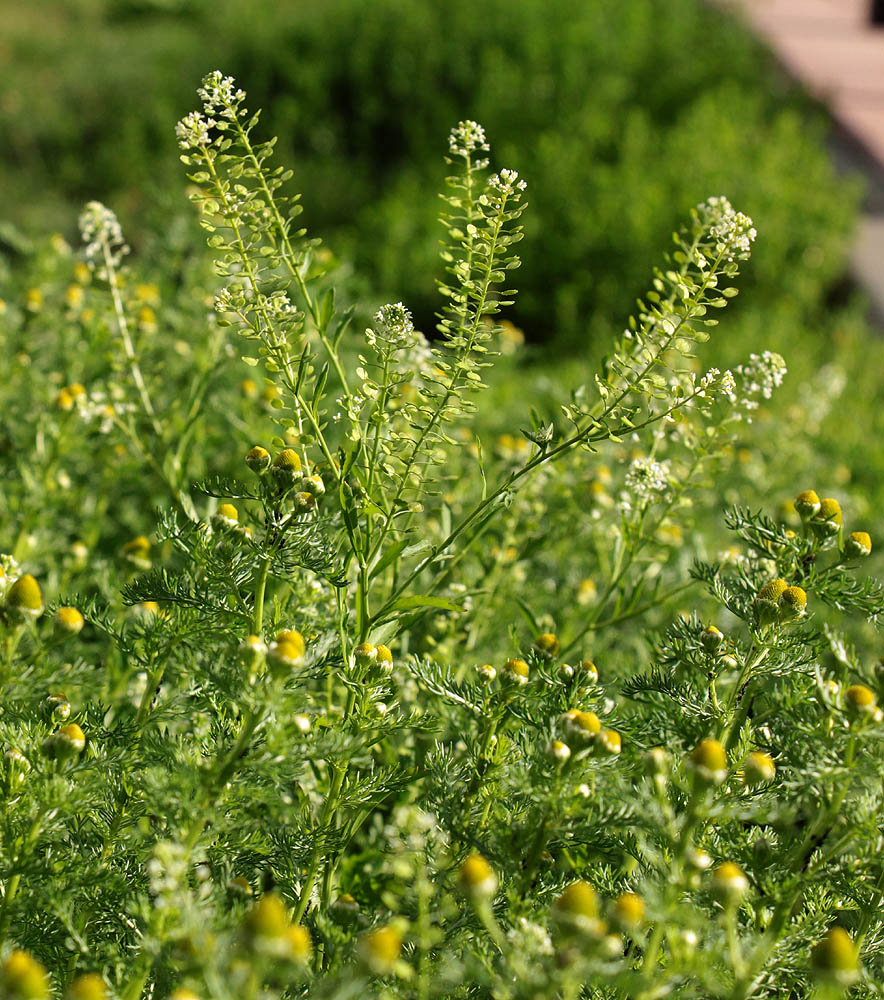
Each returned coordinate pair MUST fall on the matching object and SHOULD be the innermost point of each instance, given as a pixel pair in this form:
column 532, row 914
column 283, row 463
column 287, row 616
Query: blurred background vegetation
column 621, row 114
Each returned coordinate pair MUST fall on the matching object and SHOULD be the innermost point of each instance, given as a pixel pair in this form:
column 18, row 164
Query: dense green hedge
column 620, row 114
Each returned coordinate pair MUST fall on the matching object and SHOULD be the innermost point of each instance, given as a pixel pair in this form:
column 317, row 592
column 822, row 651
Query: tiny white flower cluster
column 714, row 382
column 507, row 182
column 647, row 479
column 193, row 130
column 467, row 137
column 219, row 95
column 168, row 871
column 732, row 231
column 100, row 229
column 393, row 325
column 758, row 377
column 279, row 306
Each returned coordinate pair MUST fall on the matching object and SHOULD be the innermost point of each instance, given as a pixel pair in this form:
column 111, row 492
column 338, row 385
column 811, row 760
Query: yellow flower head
column 381, row 948
column 807, row 503
column 68, row 621
column 708, row 761
column 858, row 545
column 836, row 958
column 547, row 645
column 88, row 987
column 758, row 768
column 792, row 603
column 23, row 978
column 24, row 598
column 476, row 877
column 515, row 670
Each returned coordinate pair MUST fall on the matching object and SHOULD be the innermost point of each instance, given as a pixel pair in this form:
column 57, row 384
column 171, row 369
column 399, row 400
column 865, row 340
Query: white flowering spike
column 467, row 138
column 192, row 131
column 101, row 232
column 732, row 231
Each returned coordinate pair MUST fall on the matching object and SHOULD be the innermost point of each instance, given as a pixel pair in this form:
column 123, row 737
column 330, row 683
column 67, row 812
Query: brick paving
column 835, row 52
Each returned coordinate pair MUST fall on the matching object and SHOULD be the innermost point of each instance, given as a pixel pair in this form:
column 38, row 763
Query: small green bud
column 711, row 638
column 58, row 706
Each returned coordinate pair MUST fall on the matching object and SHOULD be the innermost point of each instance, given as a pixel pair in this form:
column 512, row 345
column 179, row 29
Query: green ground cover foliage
column 340, row 663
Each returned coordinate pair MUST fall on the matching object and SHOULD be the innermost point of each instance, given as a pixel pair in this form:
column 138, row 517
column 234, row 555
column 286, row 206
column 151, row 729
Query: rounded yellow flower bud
column 758, row 769
column 258, row 459
column 381, row 948
column 609, row 742
column 68, row 621
column 226, row 516
column 66, row 743
column 577, row 909
column 858, row 545
column 304, row 502
column 807, row 503
column 286, row 468
column 268, row 918
column 588, row 672
column 286, row 653
column 384, row 659
column 628, row 911
column 314, row 485
column 861, row 700
column 476, row 877
column 828, row 519
column 24, row 599
column 64, row 400
column 23, row 978
column 558, row 752
column 708, row 761
column 88, row 987
column 486, row 673
column 836, row 958
column 365, row 654
column 581, row 727
column 792, row 603
column 767, row 601
column 515, row 671
column 547, row 645
column 240, row 887
column 137, row 551
column 729, row 884
column 299, row 944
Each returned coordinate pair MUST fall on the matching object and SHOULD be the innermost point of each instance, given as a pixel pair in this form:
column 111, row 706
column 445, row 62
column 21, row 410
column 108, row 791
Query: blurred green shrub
column 620, row 115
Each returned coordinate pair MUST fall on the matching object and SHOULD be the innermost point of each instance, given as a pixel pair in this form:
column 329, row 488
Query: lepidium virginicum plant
column 342, row 748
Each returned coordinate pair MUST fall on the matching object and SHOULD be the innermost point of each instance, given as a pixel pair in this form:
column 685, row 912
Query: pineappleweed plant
column 316, row 762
